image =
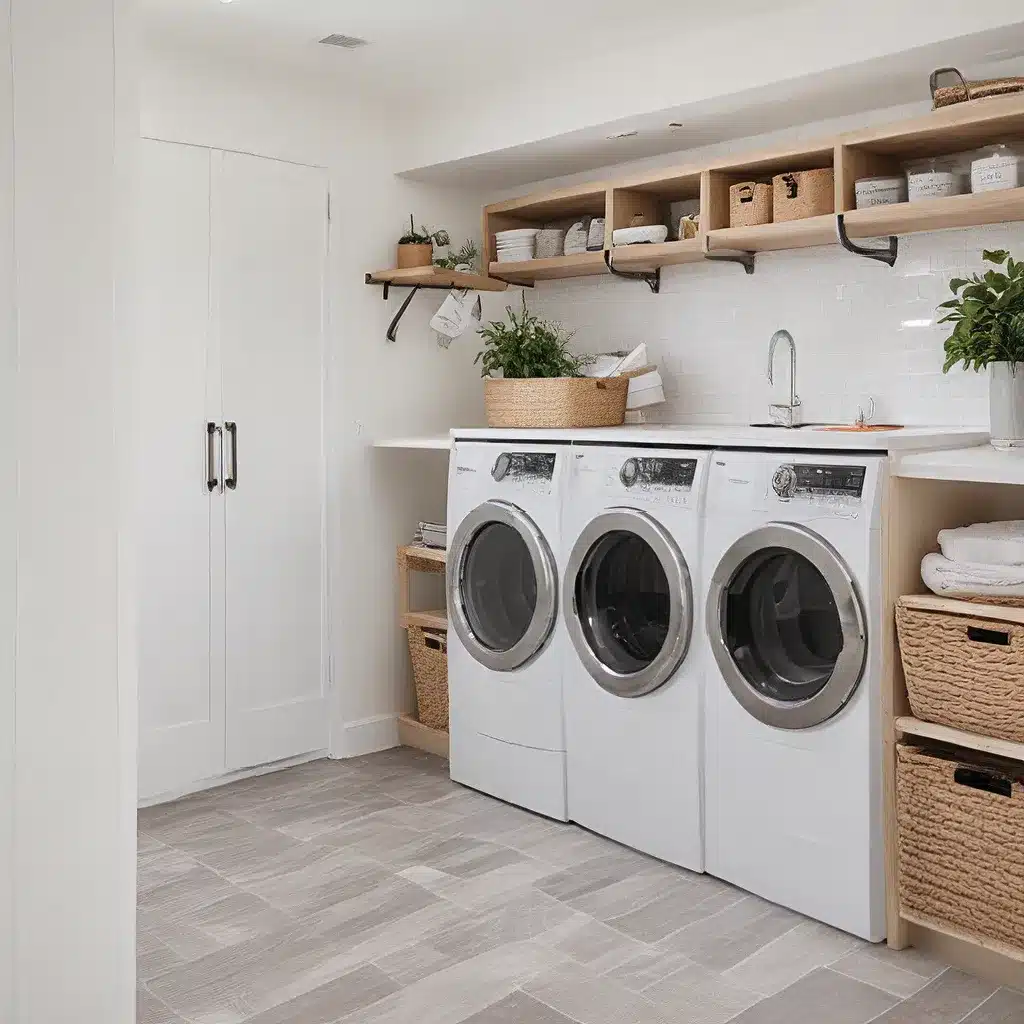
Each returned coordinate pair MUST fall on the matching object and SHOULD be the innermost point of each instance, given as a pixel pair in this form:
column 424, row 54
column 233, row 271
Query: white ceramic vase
column 1006, row 404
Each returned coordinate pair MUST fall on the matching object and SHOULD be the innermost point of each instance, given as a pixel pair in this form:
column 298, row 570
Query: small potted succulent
column 988, row 311
column 416, row 248
column 541, row 383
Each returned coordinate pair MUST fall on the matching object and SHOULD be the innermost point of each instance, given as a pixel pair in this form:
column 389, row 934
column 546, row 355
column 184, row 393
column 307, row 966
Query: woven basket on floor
column 803, row 194
column 961, row 842
column 429, row 652
column 556, row 401
column 964, row 671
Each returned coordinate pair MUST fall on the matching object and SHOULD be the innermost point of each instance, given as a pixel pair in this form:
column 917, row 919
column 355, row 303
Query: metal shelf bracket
column 744, row 259
column 888, row 256
column 652, row 278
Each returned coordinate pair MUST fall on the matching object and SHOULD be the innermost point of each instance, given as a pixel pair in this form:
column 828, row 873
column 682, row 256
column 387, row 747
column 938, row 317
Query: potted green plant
column 416, row 248
column 541, row 383
column 988, row 311
column 467, row 256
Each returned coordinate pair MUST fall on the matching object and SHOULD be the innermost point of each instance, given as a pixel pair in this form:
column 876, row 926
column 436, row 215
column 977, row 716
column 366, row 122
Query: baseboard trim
column 368, row 735
column 224, row 780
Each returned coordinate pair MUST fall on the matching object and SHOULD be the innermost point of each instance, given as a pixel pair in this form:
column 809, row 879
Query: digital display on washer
column 663, row 472
column 845, row 480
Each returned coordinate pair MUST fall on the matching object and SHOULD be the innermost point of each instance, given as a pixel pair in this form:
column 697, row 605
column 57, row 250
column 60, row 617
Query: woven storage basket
column 803, row 194
column 961, row 842
column 962, row 90
column 556, row 401
column 429, row 652
column 964, row 671
column 750, row 202
column 550, row 242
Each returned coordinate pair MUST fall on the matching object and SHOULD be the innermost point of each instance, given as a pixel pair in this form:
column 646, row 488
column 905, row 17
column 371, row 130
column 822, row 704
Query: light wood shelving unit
column 907, row 726
column 853, row 155
column 417, row 558
column 435, row 277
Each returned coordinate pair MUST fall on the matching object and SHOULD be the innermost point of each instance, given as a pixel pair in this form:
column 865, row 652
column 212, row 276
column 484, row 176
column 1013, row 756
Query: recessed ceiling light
column 623, row 135
column 345, row 42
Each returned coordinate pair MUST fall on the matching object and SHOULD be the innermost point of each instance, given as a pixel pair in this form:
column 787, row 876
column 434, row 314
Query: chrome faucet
column 785, row 415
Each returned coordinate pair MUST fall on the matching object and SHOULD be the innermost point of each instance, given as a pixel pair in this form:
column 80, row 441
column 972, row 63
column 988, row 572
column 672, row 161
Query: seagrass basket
column 428, row 650
column 556, row 401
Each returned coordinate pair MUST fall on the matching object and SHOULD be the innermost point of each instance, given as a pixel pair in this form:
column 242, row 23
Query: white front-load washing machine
column 505, row 641
column 632, row 682
column 793, row 553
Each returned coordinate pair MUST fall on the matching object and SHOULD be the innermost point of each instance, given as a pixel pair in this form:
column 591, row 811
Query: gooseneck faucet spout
column 784, row 415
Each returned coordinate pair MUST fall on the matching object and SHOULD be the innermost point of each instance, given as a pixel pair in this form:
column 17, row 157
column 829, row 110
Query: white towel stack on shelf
column 986, row 559
column 432, row 535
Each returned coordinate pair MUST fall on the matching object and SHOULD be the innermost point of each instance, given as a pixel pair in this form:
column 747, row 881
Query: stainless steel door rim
column 849, row 665
column 546, row 609
column 680, row 625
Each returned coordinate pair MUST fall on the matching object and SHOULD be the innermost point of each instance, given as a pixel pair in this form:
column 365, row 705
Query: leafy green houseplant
column 468, row 255
column 527, row 346
column 416, row 248
column 987, row 312
column 541, row 382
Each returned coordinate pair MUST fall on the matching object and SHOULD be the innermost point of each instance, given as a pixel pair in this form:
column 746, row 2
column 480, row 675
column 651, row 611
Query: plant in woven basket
column 987, row 312
column 468, row 255
column 527, row 346
column 423, row 236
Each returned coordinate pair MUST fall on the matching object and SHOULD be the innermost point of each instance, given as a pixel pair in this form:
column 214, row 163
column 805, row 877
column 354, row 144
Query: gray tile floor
column 376, row 891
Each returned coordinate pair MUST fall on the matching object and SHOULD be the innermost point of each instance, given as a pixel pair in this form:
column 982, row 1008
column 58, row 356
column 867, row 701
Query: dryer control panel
column 790, row 481
column 658, row 474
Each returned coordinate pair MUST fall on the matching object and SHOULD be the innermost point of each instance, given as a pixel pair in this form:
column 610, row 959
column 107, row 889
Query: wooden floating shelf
column 959, row 738
column 435, row 277
column 421, row 737
column 426, row 620
column 791, row 234
column 937, row 214
column 425, row 554
column 581, row 264
column 662, row 254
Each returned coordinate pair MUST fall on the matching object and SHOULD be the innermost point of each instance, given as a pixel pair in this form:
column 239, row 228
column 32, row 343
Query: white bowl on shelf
column 655, row 233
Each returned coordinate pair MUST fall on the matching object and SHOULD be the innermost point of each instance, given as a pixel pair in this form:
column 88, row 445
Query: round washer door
column 629, row 602
column 787, row 626
column 502, row 586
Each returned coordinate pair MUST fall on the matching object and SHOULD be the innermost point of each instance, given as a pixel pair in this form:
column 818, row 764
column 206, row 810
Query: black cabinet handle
column 212, row 430
column 232, row 478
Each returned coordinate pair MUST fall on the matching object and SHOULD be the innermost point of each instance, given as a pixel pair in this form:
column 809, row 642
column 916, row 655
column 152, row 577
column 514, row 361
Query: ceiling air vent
column 345, row 42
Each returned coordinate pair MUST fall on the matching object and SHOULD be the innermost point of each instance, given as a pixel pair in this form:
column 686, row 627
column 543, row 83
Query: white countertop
column 908, row 439
column 981, row 464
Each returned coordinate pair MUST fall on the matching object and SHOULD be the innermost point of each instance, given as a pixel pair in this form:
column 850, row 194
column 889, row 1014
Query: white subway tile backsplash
column 862, row 330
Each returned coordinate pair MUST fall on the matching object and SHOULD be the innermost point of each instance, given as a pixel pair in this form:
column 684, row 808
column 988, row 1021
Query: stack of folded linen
column 432, row 535
column 983, row 560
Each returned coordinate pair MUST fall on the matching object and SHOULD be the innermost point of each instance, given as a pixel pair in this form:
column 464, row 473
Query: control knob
column 501, row 466
column 784, row 481
column 630, row 472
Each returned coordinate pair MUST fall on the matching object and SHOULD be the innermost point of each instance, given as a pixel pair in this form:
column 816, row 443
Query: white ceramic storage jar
column 997, row 167
column 880, row 191
column 933, row 179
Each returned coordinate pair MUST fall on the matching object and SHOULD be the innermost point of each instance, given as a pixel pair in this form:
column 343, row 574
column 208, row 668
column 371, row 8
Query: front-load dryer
column 632, row 683
column 794, row 624
column 506, row 642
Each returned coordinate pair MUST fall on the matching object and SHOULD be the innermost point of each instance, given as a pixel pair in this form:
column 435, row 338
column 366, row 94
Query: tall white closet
column 232, row 260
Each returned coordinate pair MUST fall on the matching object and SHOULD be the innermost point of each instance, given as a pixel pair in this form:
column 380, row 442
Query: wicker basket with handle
column 556, row 401
column 801, row 194
column 429, row 652
column 750, row 203
column 960, row 820
column 960, row 90
column 964, row 664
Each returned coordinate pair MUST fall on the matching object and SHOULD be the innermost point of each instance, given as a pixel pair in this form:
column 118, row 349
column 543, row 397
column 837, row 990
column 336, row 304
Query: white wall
column 374, row 389
column 67, row 912
column 861, row 328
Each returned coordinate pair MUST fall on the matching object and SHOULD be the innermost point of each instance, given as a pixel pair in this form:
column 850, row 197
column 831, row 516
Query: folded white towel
column 985, row 543
column 946, row 578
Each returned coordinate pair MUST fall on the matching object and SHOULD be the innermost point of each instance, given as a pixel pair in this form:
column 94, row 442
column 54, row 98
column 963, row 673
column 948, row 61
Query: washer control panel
column 524, row 466
column 658, row 474
column 790, row 481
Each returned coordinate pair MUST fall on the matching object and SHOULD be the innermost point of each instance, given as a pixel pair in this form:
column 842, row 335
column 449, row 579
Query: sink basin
column 801, row 426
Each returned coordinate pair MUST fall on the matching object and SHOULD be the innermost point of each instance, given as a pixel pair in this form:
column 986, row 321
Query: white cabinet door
column 181, row 699
column 269, row 260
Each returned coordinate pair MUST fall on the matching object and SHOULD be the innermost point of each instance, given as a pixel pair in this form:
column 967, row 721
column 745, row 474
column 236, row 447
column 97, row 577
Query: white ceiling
column 434, row 46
